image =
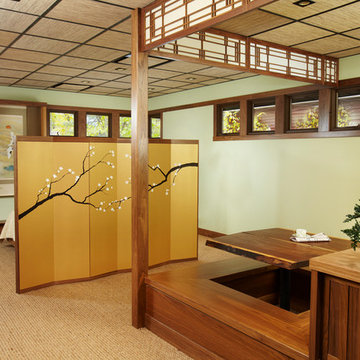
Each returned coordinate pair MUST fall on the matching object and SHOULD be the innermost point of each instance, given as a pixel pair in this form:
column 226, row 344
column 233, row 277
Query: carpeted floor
column 89, row 320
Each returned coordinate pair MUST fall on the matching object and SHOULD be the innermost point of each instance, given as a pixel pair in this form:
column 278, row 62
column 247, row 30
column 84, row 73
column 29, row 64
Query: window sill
column 296, row 135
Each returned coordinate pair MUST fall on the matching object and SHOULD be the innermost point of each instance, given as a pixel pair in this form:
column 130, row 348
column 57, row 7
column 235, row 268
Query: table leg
column 285, row 288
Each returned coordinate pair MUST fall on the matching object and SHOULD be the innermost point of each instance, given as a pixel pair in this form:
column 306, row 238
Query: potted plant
column 354, row 232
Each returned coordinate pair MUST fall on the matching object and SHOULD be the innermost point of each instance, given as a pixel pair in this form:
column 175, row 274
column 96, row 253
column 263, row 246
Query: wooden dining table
column 273, row 246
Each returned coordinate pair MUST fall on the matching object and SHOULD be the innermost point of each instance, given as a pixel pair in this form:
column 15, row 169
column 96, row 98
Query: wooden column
column 139, row 172
column 327, row 108
column 43, row 121
column 282, row 114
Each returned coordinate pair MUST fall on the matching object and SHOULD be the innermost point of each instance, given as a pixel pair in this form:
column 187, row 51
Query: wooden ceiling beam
column 167, row 20
column 220, row 48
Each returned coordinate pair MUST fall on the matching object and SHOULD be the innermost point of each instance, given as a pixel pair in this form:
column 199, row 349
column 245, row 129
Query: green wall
column 53, row 97
column 254, row 184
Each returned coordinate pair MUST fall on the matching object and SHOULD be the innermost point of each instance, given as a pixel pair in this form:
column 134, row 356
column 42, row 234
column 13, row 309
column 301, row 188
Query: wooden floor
column 208, row 320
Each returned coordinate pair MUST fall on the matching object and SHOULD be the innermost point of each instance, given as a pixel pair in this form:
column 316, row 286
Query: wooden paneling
column 26, row 55
column 96, row 53
column 18, row 65
column 77, row 62
column 353, row 341
column 220, row 339
column 59, row 70
column 30, row 6
column 338, row 308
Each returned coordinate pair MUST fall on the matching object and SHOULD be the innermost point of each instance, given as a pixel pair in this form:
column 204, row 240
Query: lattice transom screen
column 162, row 20
column 246, row 54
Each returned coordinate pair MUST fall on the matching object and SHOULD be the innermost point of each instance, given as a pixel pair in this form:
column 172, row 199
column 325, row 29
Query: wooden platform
column 210, row 319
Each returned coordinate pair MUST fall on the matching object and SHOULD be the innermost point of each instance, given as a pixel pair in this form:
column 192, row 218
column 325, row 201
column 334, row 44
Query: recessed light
column 85, row 82
column 119, row 69
column 151, row 89
column 190, row 78
column 303, row 3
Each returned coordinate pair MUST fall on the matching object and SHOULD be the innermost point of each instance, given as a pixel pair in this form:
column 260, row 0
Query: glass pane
column 348, row 111
column 304, row 115
column 125, row 127
column 155, row 127
column 264, row 118
column 62, row 124
column 230, row 121
column 97, row 125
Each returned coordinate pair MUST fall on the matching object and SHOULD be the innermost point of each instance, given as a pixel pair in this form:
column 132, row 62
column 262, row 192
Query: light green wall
column 54, row 97
column 254, row 184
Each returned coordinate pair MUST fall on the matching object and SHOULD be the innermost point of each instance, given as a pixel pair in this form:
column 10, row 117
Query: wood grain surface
column 274, row 246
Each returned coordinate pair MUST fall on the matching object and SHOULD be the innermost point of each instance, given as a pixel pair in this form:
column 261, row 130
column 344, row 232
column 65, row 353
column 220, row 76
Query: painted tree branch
column 45, row 194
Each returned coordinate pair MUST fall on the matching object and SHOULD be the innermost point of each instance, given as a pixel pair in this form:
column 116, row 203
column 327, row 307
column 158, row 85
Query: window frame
column 289, row 115
column 334, row 124
column 109, row 115
column 157, row 116
column 250, row 118
column 218, row 118
column 76, row 125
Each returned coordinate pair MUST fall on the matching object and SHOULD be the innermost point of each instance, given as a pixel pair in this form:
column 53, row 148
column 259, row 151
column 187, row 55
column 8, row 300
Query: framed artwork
column 10, row 127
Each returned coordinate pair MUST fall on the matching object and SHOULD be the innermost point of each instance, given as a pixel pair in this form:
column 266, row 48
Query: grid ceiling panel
column 27, row 55
column 97, row 53
column 35, row 43
column 80, row 48
column 13, row 21
column 36, row 7
column 61, row 30
column 89, row 12
column 330, row 44
column 293, row 34
column 75, row 62
column 252, row 23
column 339, row 20
column 18, row 74
column 7, row 80
column 288, row 9
column 7, row 37
column 113, row 39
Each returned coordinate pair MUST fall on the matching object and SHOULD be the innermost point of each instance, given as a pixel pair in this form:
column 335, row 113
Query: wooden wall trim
column 209, row 233
column 73, row 139
column 232, row 99
column 22, row 103
column 87, row 109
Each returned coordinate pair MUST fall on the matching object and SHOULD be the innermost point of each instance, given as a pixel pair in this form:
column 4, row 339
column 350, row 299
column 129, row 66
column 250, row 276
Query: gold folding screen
column 74, row 208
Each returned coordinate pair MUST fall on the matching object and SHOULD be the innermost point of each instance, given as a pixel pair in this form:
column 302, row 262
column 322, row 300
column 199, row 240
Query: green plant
column 343, row 117
column 310, row 120
column 259, row 124
column 231, row 121
column 354, row 232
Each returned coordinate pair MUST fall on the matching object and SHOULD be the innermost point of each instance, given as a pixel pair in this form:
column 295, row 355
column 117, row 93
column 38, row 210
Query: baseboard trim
column 90, row 278
column 209, row 233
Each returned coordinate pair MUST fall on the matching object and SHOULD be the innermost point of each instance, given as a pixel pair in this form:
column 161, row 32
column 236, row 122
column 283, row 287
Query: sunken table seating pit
column 230, row 309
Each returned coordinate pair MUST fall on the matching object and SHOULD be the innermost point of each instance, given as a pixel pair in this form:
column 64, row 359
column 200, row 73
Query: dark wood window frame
column 156, row 115
column 327, row 114
column 218, row 129
column 63, row 111
column 109, row 115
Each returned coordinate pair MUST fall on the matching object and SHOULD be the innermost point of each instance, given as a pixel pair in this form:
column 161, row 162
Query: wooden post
column 327, row 112
column 139, row 172
column 43, row 121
